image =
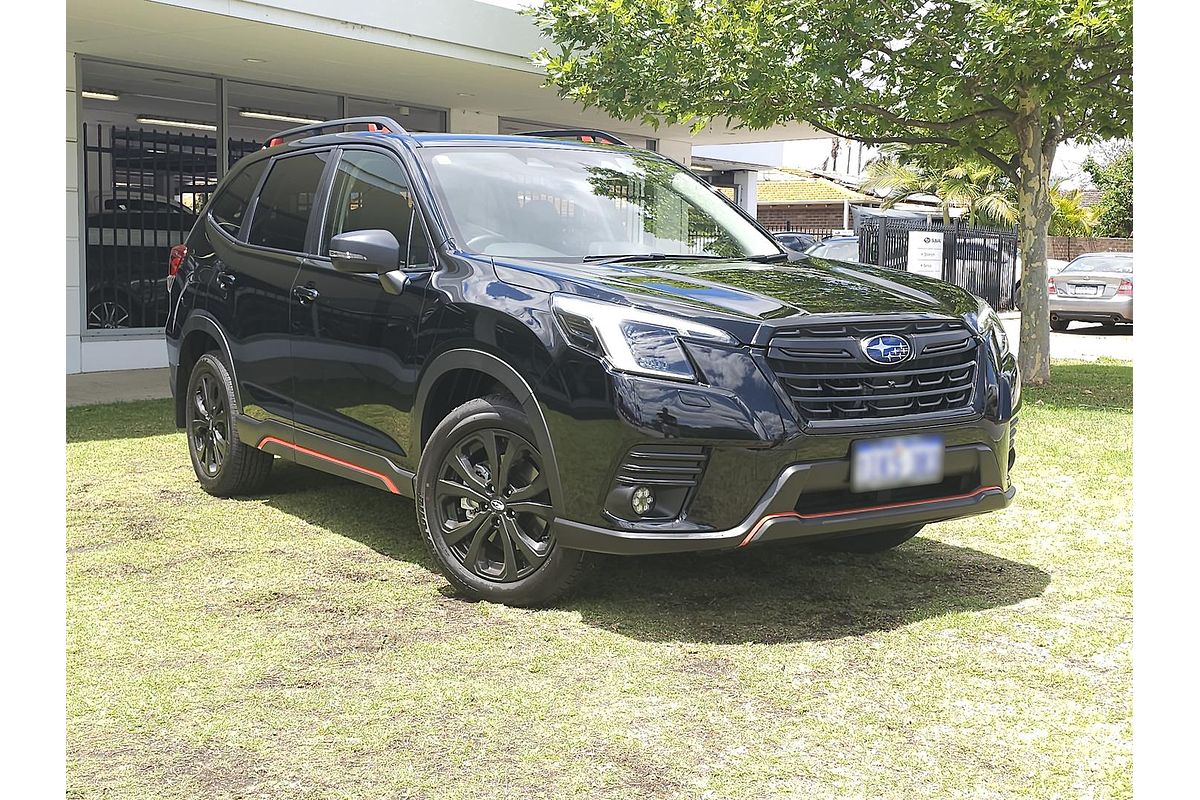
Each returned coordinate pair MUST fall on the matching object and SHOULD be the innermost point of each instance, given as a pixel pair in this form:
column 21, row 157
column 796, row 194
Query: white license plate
column 1088, row 290
column 899, row 461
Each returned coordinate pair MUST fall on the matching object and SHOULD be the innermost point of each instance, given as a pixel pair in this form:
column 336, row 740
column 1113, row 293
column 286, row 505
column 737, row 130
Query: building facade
column 163, row 96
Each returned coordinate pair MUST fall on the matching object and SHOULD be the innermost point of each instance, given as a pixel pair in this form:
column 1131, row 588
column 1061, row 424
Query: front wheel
column 485, row 510
column 875, row 542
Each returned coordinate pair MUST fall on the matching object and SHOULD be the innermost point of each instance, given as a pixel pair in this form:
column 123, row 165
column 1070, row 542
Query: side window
column 229, row 208
column 371, row 192
column 286, row 202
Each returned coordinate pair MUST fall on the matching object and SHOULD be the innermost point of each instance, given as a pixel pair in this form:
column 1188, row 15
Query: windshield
column 572, row 203
column 1118, row 264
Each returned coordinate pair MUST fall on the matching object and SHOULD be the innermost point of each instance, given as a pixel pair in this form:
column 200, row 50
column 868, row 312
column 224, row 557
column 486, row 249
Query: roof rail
column 582, row 134
column 374, row 124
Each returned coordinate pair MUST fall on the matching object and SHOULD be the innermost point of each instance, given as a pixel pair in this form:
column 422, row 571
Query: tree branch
column 1006, row 167
column 886, row 139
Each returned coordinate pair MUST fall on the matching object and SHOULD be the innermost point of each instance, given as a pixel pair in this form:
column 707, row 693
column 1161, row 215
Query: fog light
column 643, row 500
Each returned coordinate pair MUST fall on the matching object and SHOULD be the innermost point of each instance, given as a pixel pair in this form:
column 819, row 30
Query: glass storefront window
column 413, row 118
column 256, row 112
column 150, row 162
column 149, row 166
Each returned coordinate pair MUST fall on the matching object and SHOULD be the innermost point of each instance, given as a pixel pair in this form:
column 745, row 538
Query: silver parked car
column 1095, row 287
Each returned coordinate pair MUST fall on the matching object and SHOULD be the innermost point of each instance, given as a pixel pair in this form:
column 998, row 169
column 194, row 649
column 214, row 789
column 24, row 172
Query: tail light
column 1126, row 287
column 178, row 254
column 1050, row 287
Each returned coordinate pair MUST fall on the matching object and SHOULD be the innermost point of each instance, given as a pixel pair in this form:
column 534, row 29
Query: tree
column 1004, row 81
column 1113, row 176
column 988, row 196
column 979, row 188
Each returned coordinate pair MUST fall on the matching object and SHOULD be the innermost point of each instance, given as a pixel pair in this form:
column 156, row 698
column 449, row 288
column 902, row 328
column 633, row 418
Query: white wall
column 74, row 252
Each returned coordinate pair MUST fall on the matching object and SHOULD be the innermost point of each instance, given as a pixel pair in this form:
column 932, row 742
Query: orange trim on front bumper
column 749, row 537
column 391, row 487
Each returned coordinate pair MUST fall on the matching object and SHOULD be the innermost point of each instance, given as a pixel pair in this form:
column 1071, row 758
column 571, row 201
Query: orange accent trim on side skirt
column 796, row 514
column 391, row 487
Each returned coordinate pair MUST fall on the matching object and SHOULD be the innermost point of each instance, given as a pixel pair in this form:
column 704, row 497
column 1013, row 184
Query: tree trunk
column 1035, row 157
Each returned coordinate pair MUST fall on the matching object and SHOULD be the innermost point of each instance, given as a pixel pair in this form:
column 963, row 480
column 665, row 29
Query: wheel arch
column 200, row 334
column 445, row 367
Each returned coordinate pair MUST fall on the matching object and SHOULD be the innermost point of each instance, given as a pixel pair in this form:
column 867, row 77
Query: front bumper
column 1092, row 309
column 777, row 514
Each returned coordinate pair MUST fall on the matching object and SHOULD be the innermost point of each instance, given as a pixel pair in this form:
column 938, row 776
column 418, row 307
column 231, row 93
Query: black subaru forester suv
column 557, row 344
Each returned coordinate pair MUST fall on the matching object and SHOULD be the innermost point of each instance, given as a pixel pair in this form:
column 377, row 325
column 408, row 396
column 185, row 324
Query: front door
column 353, row 344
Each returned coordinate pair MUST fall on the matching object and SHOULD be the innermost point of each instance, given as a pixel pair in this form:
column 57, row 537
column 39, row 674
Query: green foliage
column 980, row 188
column 1071, row 217
column 964, row 74
column 1114, row 178
column 989, row 197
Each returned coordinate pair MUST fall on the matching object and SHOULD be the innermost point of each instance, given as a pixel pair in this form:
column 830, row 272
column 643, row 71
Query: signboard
column 925, row 253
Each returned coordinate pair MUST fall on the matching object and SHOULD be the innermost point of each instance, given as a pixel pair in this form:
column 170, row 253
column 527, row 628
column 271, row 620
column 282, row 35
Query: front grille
column 658, row 465
column 822, row 369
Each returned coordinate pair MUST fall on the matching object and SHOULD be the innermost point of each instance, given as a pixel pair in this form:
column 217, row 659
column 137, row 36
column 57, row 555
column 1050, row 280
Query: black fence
column 816, row 233
column 980, row 259
column 143, row 189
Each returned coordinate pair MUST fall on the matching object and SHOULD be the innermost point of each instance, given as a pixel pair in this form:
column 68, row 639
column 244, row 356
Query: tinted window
column 371, row 192
column 229, row 208
column 286, row 201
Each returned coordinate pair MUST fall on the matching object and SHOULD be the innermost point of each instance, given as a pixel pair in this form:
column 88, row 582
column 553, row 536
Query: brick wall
column 806, row 216
column 1067, row 247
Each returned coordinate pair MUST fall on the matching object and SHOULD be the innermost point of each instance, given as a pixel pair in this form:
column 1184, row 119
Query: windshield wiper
column 614, row 259
column 770, row 258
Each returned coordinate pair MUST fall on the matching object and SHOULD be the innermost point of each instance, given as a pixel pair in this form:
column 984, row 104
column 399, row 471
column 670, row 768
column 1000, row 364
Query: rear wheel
column 875, row 542
column 224, row 464
column 1059, row 325
column 485, row 509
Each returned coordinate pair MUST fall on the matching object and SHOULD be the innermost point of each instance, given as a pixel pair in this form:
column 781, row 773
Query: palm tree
column 980, row 188
column 1071, row 217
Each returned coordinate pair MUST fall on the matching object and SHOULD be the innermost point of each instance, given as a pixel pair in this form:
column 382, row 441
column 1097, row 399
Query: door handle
column 305, row 294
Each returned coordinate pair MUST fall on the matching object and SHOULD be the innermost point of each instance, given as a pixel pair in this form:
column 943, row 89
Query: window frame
column 318, row 201
column 210, row 221
column 318, row 229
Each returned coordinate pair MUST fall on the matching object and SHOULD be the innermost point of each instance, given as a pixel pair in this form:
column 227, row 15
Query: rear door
column 354, row 345
column 250, row 292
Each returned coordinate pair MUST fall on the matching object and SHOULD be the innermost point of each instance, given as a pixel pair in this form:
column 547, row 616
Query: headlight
column 633, row 340
column 990, row 324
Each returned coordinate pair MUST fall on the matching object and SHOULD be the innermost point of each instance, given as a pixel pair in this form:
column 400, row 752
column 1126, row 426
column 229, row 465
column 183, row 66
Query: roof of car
column 1121, row 254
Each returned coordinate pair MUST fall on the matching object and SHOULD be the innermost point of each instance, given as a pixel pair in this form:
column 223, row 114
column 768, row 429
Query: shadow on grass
column 1090, row 385
column 777, row 593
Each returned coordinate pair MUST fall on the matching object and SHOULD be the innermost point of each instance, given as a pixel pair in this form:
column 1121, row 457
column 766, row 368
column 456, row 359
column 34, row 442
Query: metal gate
column 980, row 259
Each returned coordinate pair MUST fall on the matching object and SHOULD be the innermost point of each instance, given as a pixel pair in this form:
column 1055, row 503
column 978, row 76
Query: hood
column 747, row 293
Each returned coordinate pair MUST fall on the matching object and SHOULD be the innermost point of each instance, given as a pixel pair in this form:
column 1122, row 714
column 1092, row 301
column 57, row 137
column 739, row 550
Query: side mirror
column 365, row 252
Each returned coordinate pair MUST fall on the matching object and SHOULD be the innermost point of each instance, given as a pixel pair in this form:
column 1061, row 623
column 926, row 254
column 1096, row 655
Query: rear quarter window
column 228, row 209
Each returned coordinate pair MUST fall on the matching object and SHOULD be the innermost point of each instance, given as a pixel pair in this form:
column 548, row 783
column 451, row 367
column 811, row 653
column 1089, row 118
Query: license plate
column 899, row 461
column 1089, row 290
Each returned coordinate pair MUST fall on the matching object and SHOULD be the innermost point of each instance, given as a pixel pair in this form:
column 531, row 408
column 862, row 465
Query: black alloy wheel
column 209, row 431
column 108, row 314
column 224, row 464
column 492, row 505
column 486, row 510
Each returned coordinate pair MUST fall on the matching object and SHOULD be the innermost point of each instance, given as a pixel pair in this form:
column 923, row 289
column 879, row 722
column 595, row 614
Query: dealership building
column 164, row 95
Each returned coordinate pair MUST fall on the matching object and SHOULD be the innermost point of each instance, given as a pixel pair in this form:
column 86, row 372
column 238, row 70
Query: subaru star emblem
column 886, row 348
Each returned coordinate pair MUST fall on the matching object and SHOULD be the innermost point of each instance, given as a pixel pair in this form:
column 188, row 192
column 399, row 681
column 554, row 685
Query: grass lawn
column 302, row 645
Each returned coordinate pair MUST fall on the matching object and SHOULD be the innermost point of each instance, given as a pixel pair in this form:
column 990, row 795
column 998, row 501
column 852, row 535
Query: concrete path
column 1084, row 341
column 119, row 386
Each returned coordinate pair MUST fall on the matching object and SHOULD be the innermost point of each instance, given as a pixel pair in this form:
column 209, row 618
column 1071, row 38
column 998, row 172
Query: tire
column 874, row 542
column 481, row 460
column 1059, row 325
column 224, row 464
